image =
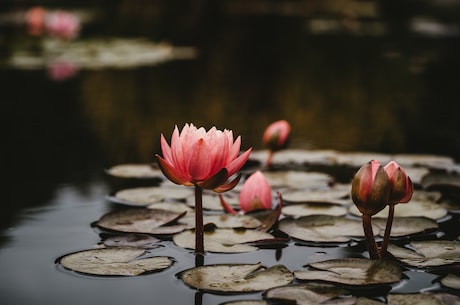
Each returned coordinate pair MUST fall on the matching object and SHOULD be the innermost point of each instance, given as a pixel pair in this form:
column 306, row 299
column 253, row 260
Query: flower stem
column 386, row 237
column 199, row 227
column 268, row 162
column 371, row 244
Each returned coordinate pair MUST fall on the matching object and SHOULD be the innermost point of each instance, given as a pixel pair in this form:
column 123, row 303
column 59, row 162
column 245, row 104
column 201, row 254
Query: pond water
column 358, row 77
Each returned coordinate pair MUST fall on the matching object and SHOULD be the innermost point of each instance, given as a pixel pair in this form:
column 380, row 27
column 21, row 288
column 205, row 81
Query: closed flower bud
column 256, row 193
column 401, row 185
column 276, row 135
column 370, row 190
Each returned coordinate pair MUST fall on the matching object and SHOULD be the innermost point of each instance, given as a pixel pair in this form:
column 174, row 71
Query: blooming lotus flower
column 204, row 159
column 370, row 189
column 276, row 135
column 200, row 158
column 63, row 24
column 401, row 185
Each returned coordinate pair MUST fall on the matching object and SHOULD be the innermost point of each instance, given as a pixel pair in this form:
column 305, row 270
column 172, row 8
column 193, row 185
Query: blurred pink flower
column 62, row 24
column 35, row 20
column 62, row 70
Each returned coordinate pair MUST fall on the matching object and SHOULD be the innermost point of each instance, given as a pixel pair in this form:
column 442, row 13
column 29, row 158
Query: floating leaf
column 212, row 202
column 222, row 240
column 419, row 206
column 423, row 299
column 114, row 261
column 403, row 226
column 451, row 281
column 224, row 221
column 430, row 161
column 236, row 277
column 352, row 271
column 176, row 207
column 143, row 241
column 326, row 194
column 143, row 196
column 305, row 209
column 306, row 294
column 138, row 171
column 141, row 220
column 296, row 178
column 428, row 253
column 322, row 228
column 447, row 184
column 357, row 159
column 245, row 302
column 297, row 156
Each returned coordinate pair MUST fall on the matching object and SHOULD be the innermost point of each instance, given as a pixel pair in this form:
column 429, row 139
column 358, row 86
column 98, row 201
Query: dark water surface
column 347, row 79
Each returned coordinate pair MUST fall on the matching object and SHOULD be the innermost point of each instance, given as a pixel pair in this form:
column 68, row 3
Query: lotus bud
column 370, row 188
column 276, row 135
column 401, row 185
column 256, row 193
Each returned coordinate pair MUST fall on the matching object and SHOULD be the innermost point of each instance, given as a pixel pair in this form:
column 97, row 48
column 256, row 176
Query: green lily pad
column 297, row 210
column 322, row 228
column 138, row 171
column 141, row 220
column 222, row 240
column 352, row 271
column 295, row 179
column 403, row 226
column 333, row 194
column 421, row 205
column 428, row 253
column 423, row 299
column 144, row 196
column 451, row 281
column 309, row 293
column 236, row 277
column 114, row 261
column 143, row 241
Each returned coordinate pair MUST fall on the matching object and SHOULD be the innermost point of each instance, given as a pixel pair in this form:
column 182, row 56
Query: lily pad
column 403, row 226
column 327, row 194
column 306, row 294
column 352, row 271
column 428, row 253
column 114, row 261
column 423, row 299
column 176, row 207
column 211, row 202
column 224, row 221
column 144, row 196
column 236, row 277
column 451, row 281
column 138, row 171
column 430, row 161
column 245, row 302
column 357, row 159
column 420, row 206
column 141, row 220
column 143, row 241
column 222, row 240
column 295, row 179
column 322, row 228
column 297, row 210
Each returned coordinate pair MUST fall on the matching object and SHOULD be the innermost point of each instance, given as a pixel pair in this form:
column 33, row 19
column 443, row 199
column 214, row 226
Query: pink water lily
column 203, row 158
column 276, row 137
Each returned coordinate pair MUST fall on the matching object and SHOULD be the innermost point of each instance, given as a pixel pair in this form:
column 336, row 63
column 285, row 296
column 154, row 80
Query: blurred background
column 356, row 75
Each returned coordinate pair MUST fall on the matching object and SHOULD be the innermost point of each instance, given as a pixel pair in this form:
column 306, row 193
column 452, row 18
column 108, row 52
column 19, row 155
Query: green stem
column 199, row 227
column 371, row 244
column 386, row 237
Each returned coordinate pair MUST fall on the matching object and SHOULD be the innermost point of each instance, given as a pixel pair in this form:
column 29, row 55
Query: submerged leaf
column 428, row 253
column 222, row 240
column 353, row 271
column 236, row 277
column 114, row 261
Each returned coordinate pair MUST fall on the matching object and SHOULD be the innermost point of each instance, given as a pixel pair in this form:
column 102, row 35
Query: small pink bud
column 276, row 135
column 401, row 185
column 256, row 193
column 370, row 189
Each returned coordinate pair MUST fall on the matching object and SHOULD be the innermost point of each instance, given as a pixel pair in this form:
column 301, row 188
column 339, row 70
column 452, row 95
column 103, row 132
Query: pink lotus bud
column 35, row 20
column 276, row 135
column 206, row 159
column 401, row 185
column 370, row 189
column 63, row 25
column 256, row 193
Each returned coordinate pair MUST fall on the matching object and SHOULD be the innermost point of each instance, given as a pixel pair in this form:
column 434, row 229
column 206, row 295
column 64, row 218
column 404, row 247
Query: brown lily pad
column 428, row 253
column 352, row 271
